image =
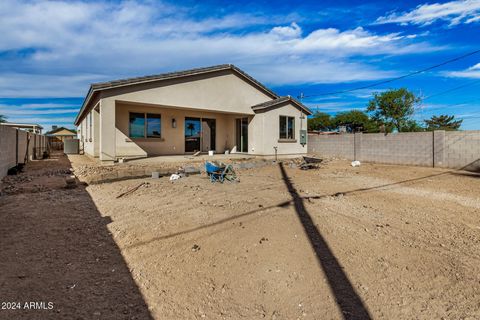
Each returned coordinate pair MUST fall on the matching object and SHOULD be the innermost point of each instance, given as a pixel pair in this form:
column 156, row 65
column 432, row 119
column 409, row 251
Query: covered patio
column 190, row 158
column 217, row 109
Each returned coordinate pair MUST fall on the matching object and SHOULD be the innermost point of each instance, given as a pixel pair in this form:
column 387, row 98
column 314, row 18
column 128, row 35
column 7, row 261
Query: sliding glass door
column 200, row 134
column 192, row 134
column 241, row 129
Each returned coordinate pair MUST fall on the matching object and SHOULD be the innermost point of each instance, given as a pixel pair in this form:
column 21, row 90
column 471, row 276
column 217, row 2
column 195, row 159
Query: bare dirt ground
column 57, row 253
column 377, row 241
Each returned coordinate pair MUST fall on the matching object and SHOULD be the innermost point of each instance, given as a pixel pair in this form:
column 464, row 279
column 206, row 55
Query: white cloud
column 291, row 31
column 453, row 12
column 45, row 114
column 472, row 72
column 74, row 43
column 20, row 112
column 21, row 85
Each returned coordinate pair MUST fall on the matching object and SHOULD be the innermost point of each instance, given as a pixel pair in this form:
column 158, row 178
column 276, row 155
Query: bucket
column 210, row 153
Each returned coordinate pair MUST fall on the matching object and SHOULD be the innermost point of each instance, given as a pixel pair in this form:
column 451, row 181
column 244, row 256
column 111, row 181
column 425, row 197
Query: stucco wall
column 89, row 136
column 223, row 92
column 267, row 126
column 173, row 139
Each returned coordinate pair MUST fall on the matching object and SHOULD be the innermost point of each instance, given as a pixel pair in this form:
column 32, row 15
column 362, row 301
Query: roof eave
column 97, row 87
column 281, row 100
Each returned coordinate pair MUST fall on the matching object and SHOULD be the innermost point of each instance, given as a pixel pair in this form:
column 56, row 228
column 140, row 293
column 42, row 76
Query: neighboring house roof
column 32, row 127
column 22, row 125
column 58, row 132
column 97, row 87
column 279, row 101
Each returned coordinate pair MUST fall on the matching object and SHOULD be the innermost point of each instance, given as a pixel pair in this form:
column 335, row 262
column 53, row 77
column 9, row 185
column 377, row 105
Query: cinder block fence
column 446, row 149
column 18, row 146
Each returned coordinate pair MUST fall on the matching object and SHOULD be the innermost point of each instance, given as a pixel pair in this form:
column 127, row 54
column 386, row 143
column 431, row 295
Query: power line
column 394, row 79
column 460, row 103
column 452, row 89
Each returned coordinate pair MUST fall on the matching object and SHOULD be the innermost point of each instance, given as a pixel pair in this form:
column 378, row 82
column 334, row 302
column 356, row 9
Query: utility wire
column 393, row 79
column 452, row 89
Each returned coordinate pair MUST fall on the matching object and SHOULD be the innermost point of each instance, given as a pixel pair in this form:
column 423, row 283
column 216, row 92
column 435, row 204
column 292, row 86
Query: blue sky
column 51, row 51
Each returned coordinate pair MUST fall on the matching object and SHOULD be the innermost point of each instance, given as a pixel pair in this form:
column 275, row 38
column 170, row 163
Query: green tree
column 3, row 118
column 393, row 108
column 355, row 120
column 443, row 122
column 412, row 126
column 320, row 121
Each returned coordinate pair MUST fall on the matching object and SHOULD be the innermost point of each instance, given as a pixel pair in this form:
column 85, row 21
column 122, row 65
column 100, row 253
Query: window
column 153, row 125
column 137, row 125
column 287, row 127
column 145, row 125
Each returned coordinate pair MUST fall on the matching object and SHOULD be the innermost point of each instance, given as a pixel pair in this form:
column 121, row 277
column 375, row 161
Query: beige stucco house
column 218, row 108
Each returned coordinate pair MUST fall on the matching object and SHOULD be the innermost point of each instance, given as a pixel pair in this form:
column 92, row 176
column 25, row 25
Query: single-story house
column 58, row 135
column 219, row 108
column 61, row 134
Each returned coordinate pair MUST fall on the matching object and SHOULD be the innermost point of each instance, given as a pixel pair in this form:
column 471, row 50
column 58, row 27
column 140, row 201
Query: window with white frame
column 287, row 127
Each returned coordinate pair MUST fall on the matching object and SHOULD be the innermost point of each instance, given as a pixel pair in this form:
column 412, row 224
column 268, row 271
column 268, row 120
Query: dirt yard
column 375, row 241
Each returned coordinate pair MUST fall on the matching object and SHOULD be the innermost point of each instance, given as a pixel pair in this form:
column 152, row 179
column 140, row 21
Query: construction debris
column 310, row 163
column 132, row 190
column 356, row 163
column 71, row 182
column 174, row 177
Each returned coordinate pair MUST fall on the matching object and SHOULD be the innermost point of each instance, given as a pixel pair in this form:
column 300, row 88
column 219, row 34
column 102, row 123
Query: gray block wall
column 341, row 146
column 10, row 154
column 7, row 149
column 412, row 148
column 462, row 150
column 448, row 149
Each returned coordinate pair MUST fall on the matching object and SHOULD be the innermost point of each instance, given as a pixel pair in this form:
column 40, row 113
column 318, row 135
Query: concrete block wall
column 447, row 149
column 12, row 152
column 462, row 150
column 411, row 148
column 341, row 146
column 7, row 149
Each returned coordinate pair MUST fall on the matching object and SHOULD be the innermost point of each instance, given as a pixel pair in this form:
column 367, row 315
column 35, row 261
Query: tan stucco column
column 107, row 130
column 96, row 132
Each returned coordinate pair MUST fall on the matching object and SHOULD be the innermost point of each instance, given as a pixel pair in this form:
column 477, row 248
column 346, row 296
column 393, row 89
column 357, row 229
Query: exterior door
column 241, row 126
column 192, row 134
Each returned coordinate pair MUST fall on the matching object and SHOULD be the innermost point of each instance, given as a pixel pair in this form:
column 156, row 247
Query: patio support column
column 96, row 131
column 107, row 131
